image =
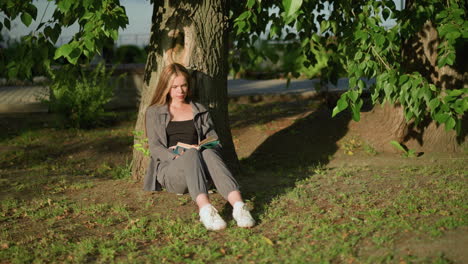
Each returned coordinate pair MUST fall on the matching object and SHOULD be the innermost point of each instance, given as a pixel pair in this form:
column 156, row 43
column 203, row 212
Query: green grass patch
column 76, row 203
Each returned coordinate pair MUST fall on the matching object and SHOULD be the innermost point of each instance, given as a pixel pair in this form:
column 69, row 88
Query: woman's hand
column 181, row 151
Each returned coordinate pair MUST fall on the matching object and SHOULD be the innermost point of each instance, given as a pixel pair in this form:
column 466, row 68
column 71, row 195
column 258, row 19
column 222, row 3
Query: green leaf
column 361, row 84
column 275, row 30
column 114, row 34
column 388, row 89
column 450, row 124
column 450, row 59
column 48, row 32
column 434, row 103
column 244, row 15
column 358, row 56
column 6, row 22
column 241, row 26
column 26, row 19
column 324, row 25
column 408, row 115
column 64, row 5
column 55, row 34
column 250, row 3
column 87, row 3
column 356, row 110
column 340, row 105
column 453, row 35
column 398, row 146
column 87, row 16
column 32, row 10
column 442, row 61
column 352, row 82
column 460, row 106
column 291, row 7
column 379, row 39
column 64, row 51
column 353, row 95
column 89, row 44
column 385, row 13
column 360, row 34
column 402, row 79
column 441, row 117
column 455, row 92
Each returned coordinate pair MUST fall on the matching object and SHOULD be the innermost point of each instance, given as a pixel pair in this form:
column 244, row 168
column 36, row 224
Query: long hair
column 161, row 94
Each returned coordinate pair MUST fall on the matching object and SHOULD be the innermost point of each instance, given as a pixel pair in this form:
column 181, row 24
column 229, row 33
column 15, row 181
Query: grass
column 67, row 197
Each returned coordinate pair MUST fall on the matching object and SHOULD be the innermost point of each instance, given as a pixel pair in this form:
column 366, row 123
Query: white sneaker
column 243, row 216
column 211, row 219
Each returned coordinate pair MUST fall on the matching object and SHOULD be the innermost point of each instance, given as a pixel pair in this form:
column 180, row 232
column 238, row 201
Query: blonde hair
column 161, row 94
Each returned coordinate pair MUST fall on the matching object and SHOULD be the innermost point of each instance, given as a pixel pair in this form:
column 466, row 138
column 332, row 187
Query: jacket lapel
column 163, row 117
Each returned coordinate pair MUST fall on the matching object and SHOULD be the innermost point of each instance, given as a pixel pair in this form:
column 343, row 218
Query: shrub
column 78, row 95
column 130, row 54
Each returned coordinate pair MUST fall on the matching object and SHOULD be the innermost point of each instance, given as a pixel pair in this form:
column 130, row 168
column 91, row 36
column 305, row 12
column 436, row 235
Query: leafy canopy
column 350, row 33
column 357, row 44
column 98, row 21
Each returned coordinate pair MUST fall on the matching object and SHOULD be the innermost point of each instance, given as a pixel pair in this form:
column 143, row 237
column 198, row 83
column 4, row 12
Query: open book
column 209, row 142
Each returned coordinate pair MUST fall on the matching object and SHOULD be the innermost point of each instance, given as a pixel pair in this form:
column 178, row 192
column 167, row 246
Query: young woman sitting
column 173, row 117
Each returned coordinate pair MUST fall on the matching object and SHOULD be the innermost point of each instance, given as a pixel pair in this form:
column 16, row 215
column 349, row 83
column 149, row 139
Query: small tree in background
column 418, row 64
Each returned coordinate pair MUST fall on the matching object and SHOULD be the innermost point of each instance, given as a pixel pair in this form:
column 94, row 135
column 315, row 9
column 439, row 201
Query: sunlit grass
column 64, row 208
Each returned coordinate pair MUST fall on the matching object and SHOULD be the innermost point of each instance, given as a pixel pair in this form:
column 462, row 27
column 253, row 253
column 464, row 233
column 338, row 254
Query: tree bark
column 194, row 34
column 419, row 54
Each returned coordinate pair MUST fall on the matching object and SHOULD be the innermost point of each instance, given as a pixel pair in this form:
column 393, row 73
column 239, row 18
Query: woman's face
column 179, row 89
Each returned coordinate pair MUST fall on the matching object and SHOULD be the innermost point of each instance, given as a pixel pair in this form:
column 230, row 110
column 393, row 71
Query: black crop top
column 181, row 131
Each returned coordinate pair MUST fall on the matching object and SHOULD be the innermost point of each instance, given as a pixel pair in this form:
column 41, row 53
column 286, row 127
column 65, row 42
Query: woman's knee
column 210, row 154
column 192, row 153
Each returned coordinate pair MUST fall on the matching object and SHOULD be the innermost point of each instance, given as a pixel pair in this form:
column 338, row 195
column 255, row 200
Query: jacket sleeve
column 157, row 149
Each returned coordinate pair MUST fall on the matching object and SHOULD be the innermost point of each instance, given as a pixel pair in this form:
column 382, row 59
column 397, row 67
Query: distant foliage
column 130, row 54
column 352, row 35
column 78, row 95
column 98, row 20
column 277, row 59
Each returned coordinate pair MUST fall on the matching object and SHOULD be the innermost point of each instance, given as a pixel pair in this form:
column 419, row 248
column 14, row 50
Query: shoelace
column 243, row 212
column 213, row 212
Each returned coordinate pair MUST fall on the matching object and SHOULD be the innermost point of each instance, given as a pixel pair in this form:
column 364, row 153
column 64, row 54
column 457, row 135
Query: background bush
column 278, row 60
column 78, row 95
column 130, row 54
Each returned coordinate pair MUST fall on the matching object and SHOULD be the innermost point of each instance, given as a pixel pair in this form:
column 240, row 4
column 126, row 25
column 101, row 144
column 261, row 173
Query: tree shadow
column 291, row 155
column 32, row 152
column 243, row 115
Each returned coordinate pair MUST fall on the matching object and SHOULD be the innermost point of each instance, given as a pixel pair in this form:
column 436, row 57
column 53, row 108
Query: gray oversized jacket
column 157, row 119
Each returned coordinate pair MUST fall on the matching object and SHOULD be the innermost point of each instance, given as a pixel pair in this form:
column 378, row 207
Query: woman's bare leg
column 202, row 200
column 234, row 197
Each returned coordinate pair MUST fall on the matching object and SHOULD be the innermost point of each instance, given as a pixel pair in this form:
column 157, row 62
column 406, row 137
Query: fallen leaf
column 267, row 240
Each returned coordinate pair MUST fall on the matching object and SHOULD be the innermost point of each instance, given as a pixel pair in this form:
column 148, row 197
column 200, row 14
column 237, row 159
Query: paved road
column 27, row 98
column 241, row 87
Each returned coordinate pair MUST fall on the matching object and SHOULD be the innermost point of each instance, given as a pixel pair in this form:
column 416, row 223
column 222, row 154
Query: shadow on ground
column 35, row 156
column 291, row 155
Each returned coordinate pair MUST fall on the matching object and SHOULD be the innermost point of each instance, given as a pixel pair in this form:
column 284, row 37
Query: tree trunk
column 194, row 34
column 419, row 54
